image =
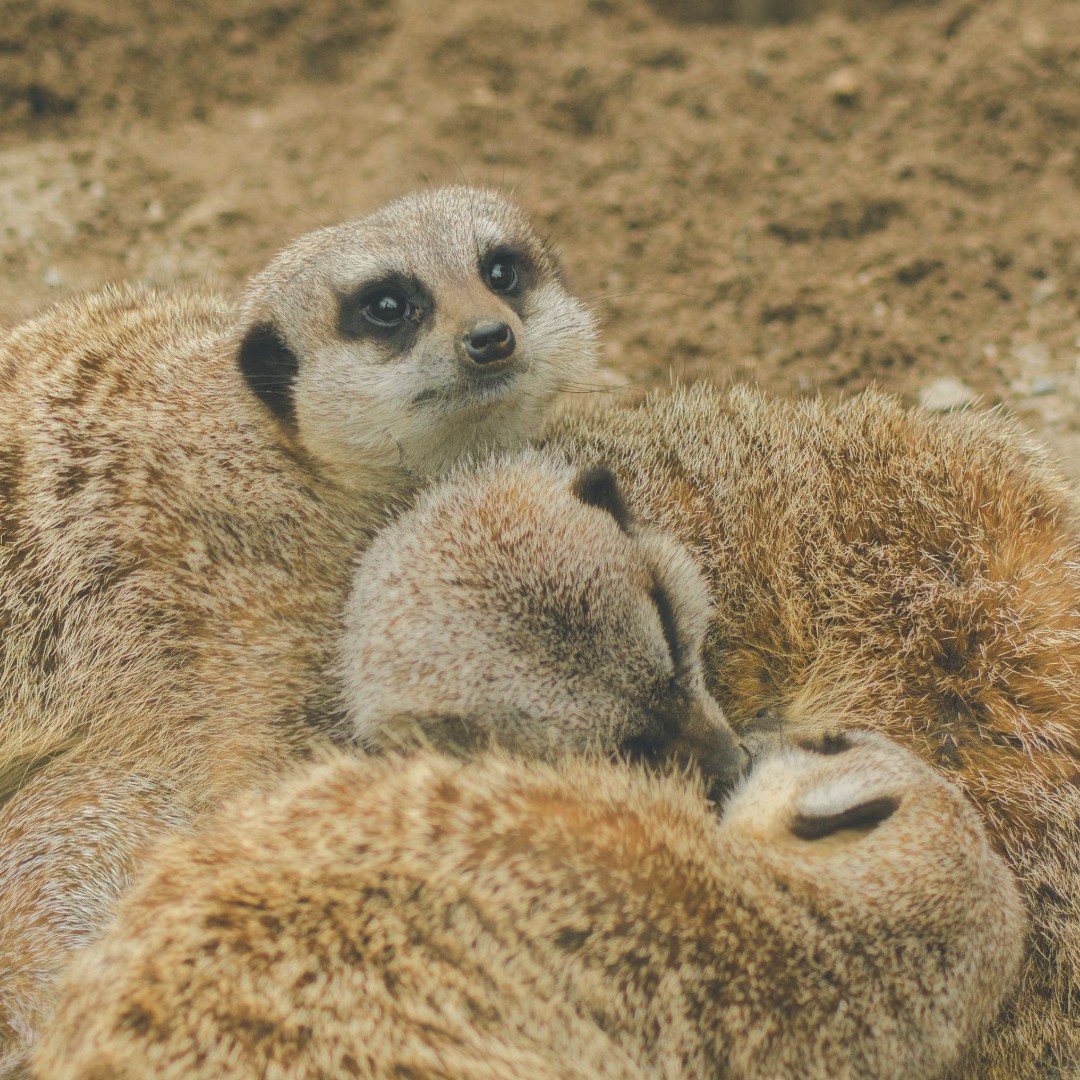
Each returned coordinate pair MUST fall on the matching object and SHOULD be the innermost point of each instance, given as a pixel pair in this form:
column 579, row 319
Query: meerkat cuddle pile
column 184, row 490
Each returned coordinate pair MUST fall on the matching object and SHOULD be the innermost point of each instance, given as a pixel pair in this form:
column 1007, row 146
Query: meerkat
column 918, row 574
column 184, row 483
column 842, row 916
column 522, row 606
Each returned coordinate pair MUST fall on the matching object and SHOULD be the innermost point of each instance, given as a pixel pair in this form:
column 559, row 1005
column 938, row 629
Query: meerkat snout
column 393, row 346
column 486, row 343
column 517, row 604
column 691, row 731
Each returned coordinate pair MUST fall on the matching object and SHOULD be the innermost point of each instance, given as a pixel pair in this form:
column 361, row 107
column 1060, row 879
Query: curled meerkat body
column 843, row 916
column 183, row 488
column 874, row 567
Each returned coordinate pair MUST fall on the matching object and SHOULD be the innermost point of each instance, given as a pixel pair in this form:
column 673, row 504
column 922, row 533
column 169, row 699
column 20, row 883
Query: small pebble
column 843, row 85
column 1043, row 290
column 1033, row 355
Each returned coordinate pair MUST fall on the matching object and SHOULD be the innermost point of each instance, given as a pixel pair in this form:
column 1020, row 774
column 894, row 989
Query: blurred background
column 813, row 194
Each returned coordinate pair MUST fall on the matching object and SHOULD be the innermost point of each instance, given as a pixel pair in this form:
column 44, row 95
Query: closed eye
column 662, row 602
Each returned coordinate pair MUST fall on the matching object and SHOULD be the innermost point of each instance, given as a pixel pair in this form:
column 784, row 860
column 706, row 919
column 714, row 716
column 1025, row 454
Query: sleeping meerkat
column 842, row 916
column 576, row 586
column 501, row 609
column 183, row 487
column 870, row 566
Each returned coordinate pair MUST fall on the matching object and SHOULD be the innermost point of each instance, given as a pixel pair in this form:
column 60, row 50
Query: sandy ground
column 816, row 204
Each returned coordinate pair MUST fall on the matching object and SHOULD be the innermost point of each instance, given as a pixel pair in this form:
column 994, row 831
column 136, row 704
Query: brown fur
column 179, row 509
column 843, row 917
column 911, row 573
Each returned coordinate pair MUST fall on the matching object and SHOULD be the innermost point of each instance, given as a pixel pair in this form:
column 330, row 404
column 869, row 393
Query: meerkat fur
column 919, row 574
column 842, row 916
column 522, row 606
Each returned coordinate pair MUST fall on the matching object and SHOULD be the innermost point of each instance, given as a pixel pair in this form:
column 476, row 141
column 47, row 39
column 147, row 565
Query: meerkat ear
column 598, row 487
column 824, row 819
column 270, row 367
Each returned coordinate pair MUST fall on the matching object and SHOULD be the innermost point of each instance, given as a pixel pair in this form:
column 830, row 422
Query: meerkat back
column 872, row 566
column 842, row 916
column 183, row 487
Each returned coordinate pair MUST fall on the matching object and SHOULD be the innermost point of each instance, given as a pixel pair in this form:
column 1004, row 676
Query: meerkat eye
column 386, row 307
column 502, row 273
column 383, row 306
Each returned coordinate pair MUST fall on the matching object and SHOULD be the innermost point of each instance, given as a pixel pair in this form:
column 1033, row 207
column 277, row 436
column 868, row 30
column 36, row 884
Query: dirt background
column 813, row 194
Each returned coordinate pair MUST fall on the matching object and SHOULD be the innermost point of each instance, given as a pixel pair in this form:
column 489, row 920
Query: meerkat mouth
column 471, row 394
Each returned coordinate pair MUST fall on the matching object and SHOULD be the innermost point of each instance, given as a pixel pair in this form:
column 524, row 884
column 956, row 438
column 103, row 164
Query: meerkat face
column 519, row 605
column 396, row 344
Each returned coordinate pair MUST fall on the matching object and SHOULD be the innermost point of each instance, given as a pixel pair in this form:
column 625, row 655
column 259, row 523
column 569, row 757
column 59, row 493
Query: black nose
column 489, row 341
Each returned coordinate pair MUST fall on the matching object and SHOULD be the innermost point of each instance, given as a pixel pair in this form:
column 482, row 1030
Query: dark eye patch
column 828, row 745
column 667, row 622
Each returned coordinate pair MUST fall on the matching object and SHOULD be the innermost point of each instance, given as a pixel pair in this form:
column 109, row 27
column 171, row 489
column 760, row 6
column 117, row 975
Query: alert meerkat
column 183, row 486
column 918, row 574
column 843, row 915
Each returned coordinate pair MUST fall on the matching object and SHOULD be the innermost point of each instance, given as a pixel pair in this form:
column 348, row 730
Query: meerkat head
column 826, row 793
column 871, row 809
column 398, row 343
column 520, row 605
column 867, row 847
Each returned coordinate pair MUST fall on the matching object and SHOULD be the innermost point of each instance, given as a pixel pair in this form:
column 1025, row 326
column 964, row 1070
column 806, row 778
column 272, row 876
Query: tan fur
column 917, row 574
column 182, row 489
column 843, row 917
